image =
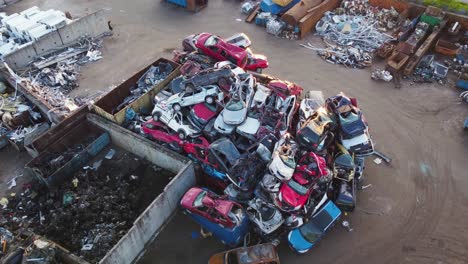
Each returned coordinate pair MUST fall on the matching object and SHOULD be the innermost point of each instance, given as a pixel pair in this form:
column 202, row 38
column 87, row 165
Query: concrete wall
column 151, row 222
column 91, row 25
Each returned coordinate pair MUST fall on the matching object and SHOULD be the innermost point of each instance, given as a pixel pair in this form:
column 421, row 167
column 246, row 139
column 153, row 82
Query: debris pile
column 153, row 76
column 93, row 210
column 19, row 119
column 354, row 31
column 379, row 74
column 348, row 56
column 53, row 77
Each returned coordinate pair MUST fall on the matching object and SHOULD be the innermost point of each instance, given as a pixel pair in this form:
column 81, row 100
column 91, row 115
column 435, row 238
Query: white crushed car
column 234, row 68
column 284, row 161
column 240, row 39
column 207, row 94
column 236, row 109
column 265, row 216
column 260, row 96
column 175, row 121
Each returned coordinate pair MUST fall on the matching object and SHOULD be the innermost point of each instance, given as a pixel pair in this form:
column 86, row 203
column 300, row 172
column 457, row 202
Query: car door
column 175, row 121
column 199, row 96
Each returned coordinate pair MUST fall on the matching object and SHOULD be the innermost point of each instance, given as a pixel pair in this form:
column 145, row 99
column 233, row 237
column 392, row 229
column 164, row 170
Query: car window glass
column 198, row 202
column 150, row 126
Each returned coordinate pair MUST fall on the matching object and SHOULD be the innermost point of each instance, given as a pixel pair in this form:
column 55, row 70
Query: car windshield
column 235, row 105
column 310, row 232
column 267, row 213
column 211, row 41
column 311, row 133
column 300, row 189
column 349, row 118
column 198, row 200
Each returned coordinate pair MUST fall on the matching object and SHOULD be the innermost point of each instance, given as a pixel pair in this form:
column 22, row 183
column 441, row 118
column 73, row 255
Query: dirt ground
column 416, row 209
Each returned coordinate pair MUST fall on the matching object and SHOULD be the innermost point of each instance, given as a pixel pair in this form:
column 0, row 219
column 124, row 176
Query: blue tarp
column 274, row 9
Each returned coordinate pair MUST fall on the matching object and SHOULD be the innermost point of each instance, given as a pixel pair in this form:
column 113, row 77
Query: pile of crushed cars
column 272, row 163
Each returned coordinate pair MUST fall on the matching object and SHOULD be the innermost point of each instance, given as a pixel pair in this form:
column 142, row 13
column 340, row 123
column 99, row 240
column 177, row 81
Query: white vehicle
column 283, row 162
column 360, row 145
column 175, row 121
column 250, row 126
column 236, row 109
column 313, row 100
column 260, row 96
column 288, row 108
column 222, row 127
column 234, row 68
column 207, row 94
column 240, row 39
column 265, row 216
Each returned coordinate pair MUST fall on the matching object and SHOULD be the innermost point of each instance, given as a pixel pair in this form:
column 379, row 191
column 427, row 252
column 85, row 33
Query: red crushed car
column 201, row 114
column 161, row 134
column 294, row 194
column 285, row 88
column 221, row 50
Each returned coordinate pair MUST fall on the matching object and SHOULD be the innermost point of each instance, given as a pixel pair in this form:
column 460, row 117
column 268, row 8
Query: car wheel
column 259, row 70
column 176, row 107
column 157, row 116
column 209, row 100
column 181, row 134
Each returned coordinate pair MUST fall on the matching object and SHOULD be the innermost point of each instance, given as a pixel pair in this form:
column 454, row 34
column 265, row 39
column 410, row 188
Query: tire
column 259, row 70
column 176, row 107
column 209, row 100
column 157, row 116
column 181, row 134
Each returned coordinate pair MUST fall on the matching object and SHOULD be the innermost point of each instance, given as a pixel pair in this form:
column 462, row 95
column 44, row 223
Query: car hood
column 234, row 117
column 222, row 127
column 292, row 197
column 250, row 126
column 297, row 241
column 203, row 112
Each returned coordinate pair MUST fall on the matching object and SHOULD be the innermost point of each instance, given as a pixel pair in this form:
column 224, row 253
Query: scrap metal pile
column 54, row 76
column 89, row 213
column 153, row 76
column 272, row 163
column 20, row 122
column 353, row 31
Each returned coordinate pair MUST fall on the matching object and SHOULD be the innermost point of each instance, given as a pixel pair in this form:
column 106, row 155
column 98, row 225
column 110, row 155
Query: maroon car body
column 285, row 88
column 210, row 206
column 294, row 194
column 221, row 50
column 201, row 114
column 161, row 134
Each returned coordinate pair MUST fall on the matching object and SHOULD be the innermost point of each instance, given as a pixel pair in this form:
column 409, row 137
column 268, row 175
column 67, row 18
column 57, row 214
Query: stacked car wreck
column 276, row 162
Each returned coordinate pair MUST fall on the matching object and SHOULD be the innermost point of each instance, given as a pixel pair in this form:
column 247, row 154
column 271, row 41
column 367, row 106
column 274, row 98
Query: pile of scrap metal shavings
column 91, row 212
column 354, row 34
column 54, row 76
